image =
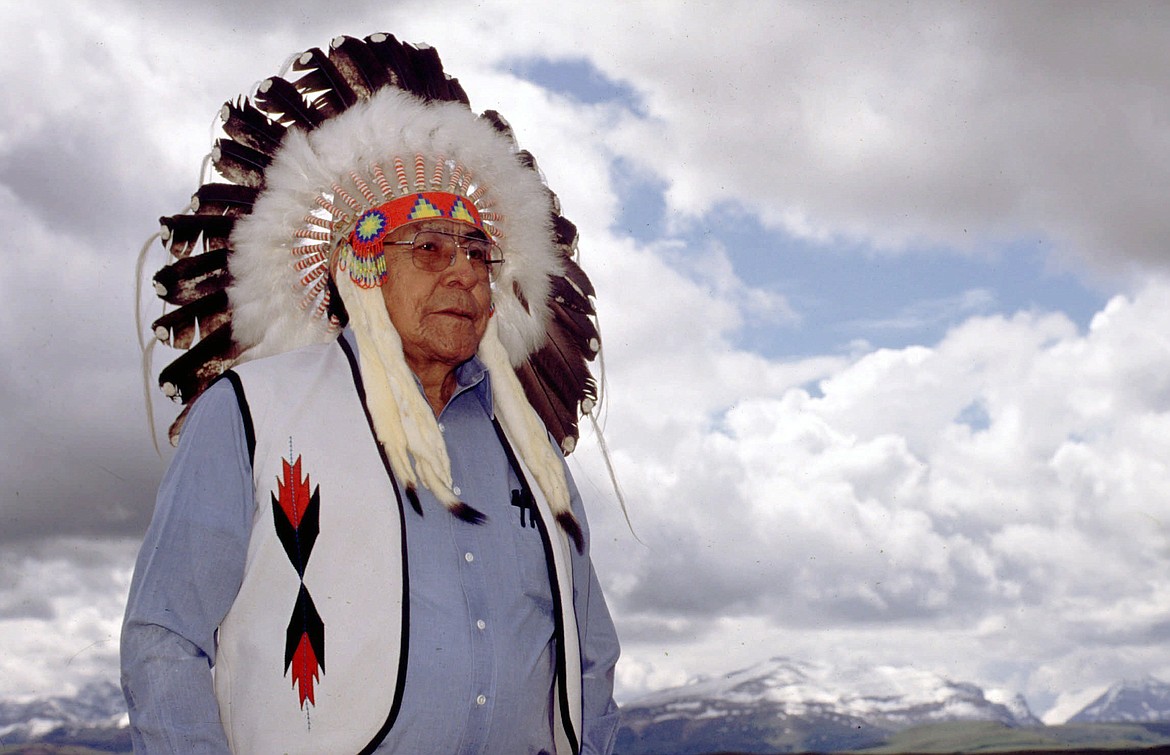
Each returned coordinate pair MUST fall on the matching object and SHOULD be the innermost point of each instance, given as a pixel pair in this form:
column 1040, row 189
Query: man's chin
column 457, row 345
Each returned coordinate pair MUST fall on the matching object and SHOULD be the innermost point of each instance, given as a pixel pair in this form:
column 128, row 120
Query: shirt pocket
column 530, row 562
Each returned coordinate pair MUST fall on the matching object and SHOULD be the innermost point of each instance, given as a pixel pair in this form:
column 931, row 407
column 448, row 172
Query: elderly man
column 367, row 541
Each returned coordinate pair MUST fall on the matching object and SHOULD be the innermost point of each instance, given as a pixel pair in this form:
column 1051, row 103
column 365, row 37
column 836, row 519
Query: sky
column 884, row 292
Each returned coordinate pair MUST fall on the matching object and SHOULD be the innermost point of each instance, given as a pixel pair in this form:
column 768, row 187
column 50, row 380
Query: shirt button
column 481, row 700
column 481, row 624
column 442, row 428
column 468, row 557
column 456, row 490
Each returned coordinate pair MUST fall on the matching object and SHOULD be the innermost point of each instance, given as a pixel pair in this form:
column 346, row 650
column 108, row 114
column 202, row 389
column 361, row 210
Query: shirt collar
column 473, row 375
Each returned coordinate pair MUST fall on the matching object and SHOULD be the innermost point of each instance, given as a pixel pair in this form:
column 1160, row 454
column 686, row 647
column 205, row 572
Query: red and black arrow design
column 297, row 515
column 304, row 646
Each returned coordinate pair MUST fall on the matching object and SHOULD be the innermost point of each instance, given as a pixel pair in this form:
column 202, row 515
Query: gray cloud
column 922, row 125
column 37, row 609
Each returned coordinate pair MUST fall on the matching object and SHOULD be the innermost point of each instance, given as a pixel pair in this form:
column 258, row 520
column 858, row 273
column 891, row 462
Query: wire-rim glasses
column 434, row 252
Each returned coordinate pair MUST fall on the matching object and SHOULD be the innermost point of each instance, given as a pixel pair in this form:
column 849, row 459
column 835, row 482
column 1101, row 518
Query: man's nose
column 461, row 270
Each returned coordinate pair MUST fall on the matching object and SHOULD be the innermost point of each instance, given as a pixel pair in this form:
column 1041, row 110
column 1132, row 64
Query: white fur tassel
column 403, row 420
column 523, row 425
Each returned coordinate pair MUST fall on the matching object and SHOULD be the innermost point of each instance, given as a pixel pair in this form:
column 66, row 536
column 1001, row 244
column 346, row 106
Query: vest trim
column 245, row 414
column 403, row 654
column 566, row 719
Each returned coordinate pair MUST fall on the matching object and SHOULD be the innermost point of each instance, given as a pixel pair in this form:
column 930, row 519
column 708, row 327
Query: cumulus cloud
column 869, row 500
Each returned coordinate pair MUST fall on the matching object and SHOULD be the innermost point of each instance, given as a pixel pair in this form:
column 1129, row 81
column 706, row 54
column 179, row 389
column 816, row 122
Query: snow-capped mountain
column 780, row 705
column 785, row 705
column 1143, row 701
column 97, row 708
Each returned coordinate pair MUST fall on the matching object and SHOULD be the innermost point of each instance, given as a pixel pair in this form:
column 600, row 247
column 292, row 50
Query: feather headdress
column 369, row 121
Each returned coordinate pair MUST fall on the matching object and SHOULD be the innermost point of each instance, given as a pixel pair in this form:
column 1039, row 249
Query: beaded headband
column 363, row 255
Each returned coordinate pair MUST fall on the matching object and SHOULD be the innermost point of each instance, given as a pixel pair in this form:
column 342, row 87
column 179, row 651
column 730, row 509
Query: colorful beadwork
column 366, row 270
column 371, row 227
column 374, row 224
column 461, row 211
column 423, row 209
column 362, row 255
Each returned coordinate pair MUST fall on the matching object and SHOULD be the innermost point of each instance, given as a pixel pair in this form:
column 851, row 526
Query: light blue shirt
column 481, row 662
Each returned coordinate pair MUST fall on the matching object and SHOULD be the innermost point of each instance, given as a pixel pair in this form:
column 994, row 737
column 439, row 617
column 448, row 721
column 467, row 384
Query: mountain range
column 780, row 705
column 1143, row 701
column 783, row 705
column 94, row 717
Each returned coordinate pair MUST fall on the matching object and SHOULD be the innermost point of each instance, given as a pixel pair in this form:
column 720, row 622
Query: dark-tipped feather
column 528, row 160
column 416, row 70
column 575, row 275
column 545, row 405
column 224, row 199
column 568, row 294
column 394, row 58
column 358, row 65
column 180, row 233
column 195, row 368
column 240, row 164
column 499, row 123
column 564, row 232
column 455, row 91
column 428, row 71
column 192, row 277
column 281, row 101
column 206, row 313
column 243, row 122
column 562, row 367
column 556, row 377
column 519, row 292
column 331, row 93
column 177, row 426
column 578, row 324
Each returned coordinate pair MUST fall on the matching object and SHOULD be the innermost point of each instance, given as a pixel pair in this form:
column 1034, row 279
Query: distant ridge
column 93, row 718
column 783, row 705
column 778, row 706
column 1146, row 700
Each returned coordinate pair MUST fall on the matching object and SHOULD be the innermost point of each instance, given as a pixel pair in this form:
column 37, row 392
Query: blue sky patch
column 974, row 416
column 577, row 79
column 845, row 293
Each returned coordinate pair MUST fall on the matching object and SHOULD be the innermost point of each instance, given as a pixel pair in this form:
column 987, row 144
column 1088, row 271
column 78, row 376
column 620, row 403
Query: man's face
column 440, row 316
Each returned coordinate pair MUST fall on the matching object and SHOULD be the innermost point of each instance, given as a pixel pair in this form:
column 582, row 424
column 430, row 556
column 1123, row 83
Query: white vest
column 306, row 405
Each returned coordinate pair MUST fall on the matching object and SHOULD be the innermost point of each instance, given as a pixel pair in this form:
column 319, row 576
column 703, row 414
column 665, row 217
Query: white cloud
column 926, row 313
column 872, row 507
column 62, row 612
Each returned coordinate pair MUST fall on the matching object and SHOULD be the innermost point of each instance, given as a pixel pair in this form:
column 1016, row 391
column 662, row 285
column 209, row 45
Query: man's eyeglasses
column 434, row 251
